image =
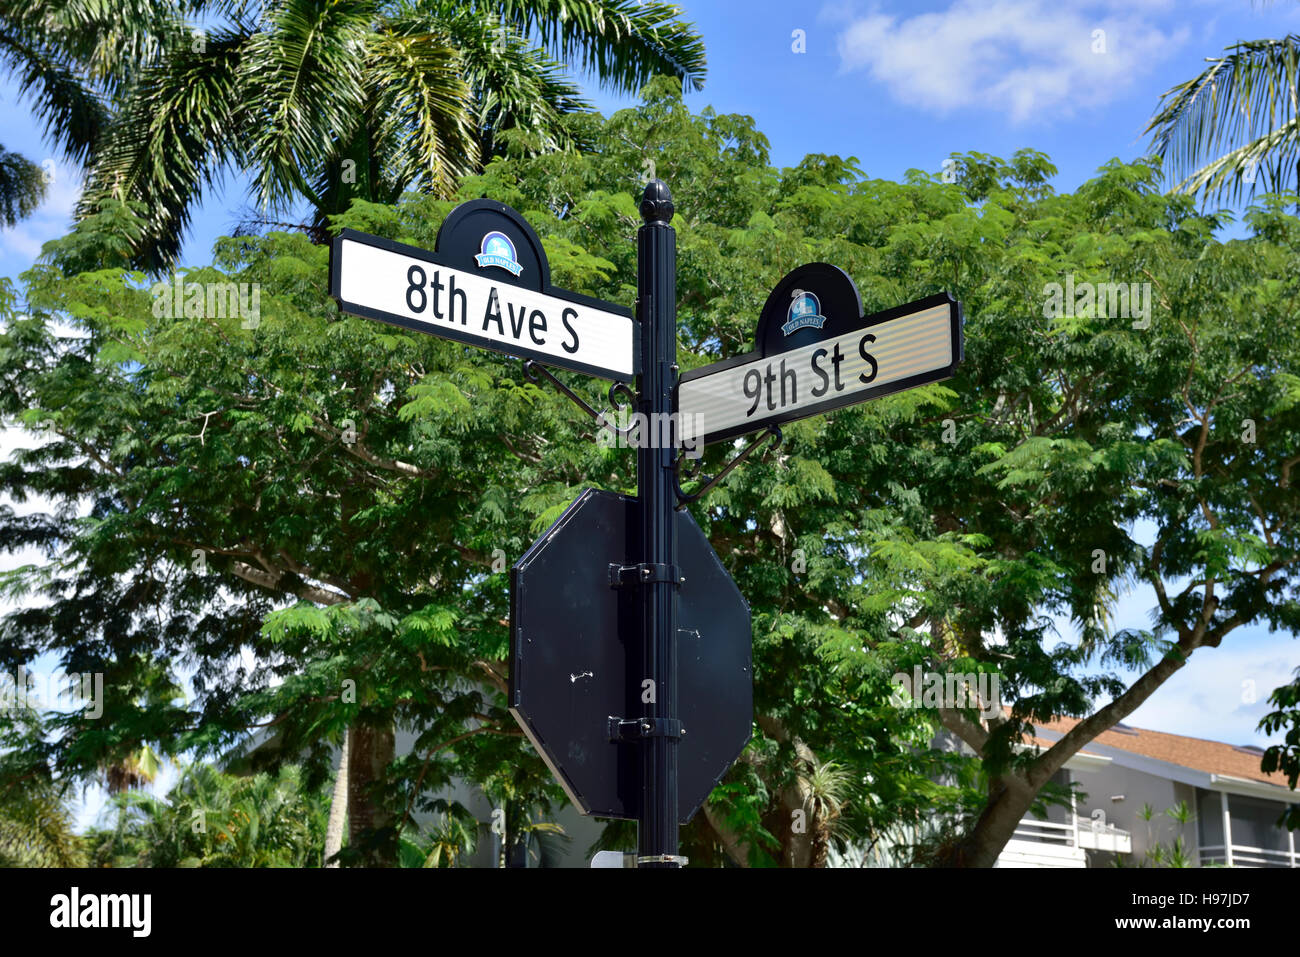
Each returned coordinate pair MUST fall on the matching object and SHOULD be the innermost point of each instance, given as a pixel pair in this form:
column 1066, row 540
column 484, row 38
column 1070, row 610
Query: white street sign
column 405, row 286
column 890, row 351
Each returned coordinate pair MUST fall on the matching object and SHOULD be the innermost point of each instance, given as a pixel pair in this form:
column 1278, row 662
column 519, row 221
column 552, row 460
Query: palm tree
column 36, row 819
column 338, row 818
column 133, row 772
column 36, row 827
column 1237, row 124
column 327, row 101
column 22, row 187
column 827, row 788
column 68, row 57
column 452, row 839
column 211, row 819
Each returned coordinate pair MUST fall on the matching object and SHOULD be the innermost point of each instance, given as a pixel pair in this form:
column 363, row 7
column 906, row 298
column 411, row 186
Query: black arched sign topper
column 460, row 242
column 487, row 283
column 836, row 299
column 815, row 351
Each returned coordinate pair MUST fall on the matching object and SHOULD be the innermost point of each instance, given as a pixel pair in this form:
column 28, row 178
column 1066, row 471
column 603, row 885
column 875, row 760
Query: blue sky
column 901, row 86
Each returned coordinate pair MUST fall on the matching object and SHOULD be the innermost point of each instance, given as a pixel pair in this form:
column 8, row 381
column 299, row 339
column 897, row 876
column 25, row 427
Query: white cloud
column 21, row 243
column 1220, row 694
column 1210, row 696
column 1026, row 59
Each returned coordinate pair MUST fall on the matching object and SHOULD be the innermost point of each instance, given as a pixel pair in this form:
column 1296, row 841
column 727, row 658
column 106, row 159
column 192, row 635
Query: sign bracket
column 772, row 432
column 532, row 368
column 646, row 573
column 631, row 730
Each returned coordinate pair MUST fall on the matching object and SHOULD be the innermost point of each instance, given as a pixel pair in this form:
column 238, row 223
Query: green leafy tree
column 373, row 645
column 1285, row 755
column 328, row 497
column 1066, row 428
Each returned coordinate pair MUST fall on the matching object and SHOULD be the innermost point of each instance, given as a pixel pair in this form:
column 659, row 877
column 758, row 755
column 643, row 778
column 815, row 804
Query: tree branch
column 964, row 728
column 272, row 582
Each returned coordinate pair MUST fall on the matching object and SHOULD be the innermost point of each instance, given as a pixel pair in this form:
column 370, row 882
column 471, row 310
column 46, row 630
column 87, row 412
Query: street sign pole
column 657, row 308
column 594, row 602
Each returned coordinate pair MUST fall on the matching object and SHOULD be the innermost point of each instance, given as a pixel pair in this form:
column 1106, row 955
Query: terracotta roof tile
column 1213, row 757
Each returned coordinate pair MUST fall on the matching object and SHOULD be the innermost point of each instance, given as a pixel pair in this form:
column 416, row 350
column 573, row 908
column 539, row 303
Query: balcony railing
column 1096, row 836
column 1087, row 834
column 1244, row 856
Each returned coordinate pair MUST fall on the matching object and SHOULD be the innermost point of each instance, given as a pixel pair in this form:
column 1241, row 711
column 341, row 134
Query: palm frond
column 301, row 82
column 623, row 42
column 1225, row 116
column 22, row 187
column 111, row 41
column 1269, row 159
column 423, row 104
column 516, row 86
column 36, row 830
column 175, row 132
column 73, row 113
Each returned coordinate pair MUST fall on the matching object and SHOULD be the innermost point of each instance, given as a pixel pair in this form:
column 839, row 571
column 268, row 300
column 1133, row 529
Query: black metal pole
column 657, row 310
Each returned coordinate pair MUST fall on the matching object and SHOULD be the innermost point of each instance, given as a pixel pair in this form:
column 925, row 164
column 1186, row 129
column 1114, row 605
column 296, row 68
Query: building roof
column 1212, row 757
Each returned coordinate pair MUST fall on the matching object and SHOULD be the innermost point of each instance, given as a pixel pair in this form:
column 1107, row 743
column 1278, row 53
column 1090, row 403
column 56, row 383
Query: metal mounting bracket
column 644, row 574
column 684, row 499
column 532, row 369
column 630, row 730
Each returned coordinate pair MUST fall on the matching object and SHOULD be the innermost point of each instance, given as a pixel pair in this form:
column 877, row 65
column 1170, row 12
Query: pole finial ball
column 657, row 202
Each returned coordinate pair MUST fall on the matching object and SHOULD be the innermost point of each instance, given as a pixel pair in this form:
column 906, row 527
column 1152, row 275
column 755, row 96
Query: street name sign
column 487, row 283
column 816, row 351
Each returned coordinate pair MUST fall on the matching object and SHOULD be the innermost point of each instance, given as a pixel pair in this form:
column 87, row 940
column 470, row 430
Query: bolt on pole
column 657, row 310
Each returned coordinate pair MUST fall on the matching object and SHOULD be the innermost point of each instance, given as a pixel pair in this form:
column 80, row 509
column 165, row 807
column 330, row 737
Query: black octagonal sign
column 575, row 658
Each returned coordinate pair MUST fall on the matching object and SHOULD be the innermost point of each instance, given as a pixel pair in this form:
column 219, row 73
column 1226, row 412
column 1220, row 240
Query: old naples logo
column 498, row 250
column 805, row 311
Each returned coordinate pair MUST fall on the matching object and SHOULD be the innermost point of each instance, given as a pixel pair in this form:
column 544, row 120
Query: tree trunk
column 371, row 828
column 795, row 823
column 820, row 851
column 1010, row 798
column 736, row 849
column 1011, row 795
column 338, row 805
